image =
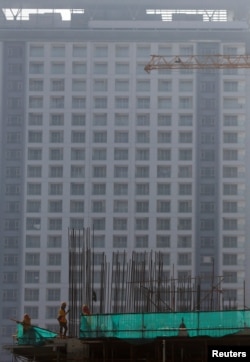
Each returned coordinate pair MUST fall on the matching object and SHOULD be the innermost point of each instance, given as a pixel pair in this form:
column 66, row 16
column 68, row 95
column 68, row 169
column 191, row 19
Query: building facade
column 151, row 161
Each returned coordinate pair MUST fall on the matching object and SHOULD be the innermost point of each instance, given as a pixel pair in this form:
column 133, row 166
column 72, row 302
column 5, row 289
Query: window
column 162, row 241
column 185, row 137
column 230, row 155
column 78, row 102
column 184, row 224
column 122, row 102
column 120, row 189
column 56, row 154
column 230, row 189
column 58, row 51
column 119, row 241
column 163, row 171
column 34, row 171
column 121, row 68
column 100, row 68
column 230, row 137
column 54, row 259
column 230, row 224
column 79, row 68
column 33, row 206
column 77, row 154
column 164, row 137
column 55, row 188
column 77, row 189
column 120, row 171
column 36, row 50
column 121, row 85
column 57, row 68
column 35, row 136
column 162, row 223
column 142, row 154
column 143, row 119
column 57, row 85
column 142, row 136
column 76, row 206
column 164, row 85
column 100, row 119
column 99, row 171
column 142, row 171
column 77, row 136
column 141, row 223
column 163, row 154
column 121, row 137
column 34, row 154
column 229, row 259
column 55, row 205
column 163, row 206
column 120, row 154
column 32, row 259
column 31, row 295
column 142, row 206
column 57, row 102
column 164, row 119
column 55, row 224
column 34, row 188
column 141, row 241
column 163, row 189
column 164, row 102
column 35, row 119
column 100, row 137
column 53, row 277
column 54, row 241
column 230, row 242
column 55, row 171
column 229, row 171
column 185, row 171
column 53, row 294
column 79, row 50
column 142, row 189
column 32, row 276
column 184, row 241
column 99, row 189
column 77, row 171
column 121, row 119
column 78, row 119
column 230, row 206
column 36, row 68
column 98, row 206
column 99, row 223
column 120, row 206
column 56, row 136
column 184, row 259
column 36, row 85
column 56, row 119
column 32, row 241
column 143, row 102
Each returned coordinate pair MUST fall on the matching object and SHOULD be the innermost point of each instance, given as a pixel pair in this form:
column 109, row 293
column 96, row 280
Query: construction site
column 149, row 318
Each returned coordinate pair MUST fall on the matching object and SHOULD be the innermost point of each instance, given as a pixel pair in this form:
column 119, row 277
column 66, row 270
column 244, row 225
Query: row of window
column 123, row 119
column 123, row 85
column 141, row 154
column 123, row 172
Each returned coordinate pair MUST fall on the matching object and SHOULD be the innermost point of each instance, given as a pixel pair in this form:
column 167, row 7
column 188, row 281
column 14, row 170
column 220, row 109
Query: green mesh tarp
column 153, row 325
column 33, row 335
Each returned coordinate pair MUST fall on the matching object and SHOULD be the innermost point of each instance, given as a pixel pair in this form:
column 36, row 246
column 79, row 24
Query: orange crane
column 211, row 61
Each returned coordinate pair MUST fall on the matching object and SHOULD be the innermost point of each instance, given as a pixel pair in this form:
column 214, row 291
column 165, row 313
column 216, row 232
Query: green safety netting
column 33, row 335
column 153, row 325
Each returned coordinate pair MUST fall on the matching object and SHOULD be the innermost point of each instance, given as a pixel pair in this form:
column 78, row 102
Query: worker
column 26, row 322
column 85, row 310
column 63, row 323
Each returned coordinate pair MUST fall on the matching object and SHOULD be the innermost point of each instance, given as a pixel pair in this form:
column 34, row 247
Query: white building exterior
column 152, row 161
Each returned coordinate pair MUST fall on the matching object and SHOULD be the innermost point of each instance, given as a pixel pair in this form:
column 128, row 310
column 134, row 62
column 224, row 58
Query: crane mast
column 211, row 61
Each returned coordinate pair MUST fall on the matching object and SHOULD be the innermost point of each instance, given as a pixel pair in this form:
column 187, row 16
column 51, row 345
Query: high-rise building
column 153, row 161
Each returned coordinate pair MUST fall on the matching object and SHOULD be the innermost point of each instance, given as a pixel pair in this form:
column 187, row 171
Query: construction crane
column 211, row 61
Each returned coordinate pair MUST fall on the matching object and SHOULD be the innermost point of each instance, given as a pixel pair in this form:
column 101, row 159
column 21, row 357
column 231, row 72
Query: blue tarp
column 33, row 335
column 153, row 325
